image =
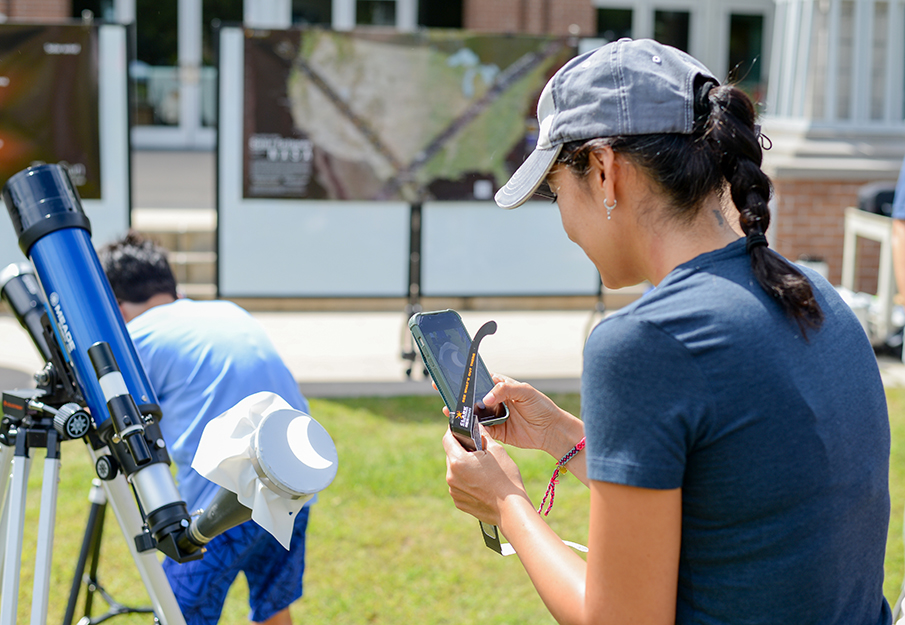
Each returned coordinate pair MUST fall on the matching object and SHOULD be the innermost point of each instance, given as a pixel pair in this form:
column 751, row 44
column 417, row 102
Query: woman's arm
column 634, row 538
column 535, row 422
column 631, row 574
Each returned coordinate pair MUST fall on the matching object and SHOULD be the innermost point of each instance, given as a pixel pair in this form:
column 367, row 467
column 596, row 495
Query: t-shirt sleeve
column 643, row 403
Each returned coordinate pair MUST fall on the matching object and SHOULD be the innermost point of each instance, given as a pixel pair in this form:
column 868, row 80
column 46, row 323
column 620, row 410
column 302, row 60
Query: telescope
column 20, row 290
column 93, row 387
column 55, row 234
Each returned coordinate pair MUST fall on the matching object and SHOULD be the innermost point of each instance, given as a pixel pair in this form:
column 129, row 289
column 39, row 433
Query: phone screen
column 448, row 342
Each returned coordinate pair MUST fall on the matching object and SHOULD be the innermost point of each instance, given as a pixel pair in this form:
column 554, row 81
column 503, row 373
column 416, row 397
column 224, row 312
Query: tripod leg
column 90, row 548
column 6, row 466
column 46, row 521
column 99, row 502
column 15, row 514
column 120, row 499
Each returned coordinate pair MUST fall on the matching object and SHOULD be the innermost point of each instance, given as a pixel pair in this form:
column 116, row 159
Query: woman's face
column 571, row 198
column 608, row 243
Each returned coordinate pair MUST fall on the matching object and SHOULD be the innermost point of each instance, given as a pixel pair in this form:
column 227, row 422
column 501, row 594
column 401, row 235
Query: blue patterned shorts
column 274, row 575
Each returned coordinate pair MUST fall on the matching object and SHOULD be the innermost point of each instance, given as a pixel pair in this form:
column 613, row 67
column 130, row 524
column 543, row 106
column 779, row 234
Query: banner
column 434, row 115
column 49, row 101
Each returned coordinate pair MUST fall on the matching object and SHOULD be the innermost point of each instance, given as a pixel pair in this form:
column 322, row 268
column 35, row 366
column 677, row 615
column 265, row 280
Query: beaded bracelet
column 560, row 467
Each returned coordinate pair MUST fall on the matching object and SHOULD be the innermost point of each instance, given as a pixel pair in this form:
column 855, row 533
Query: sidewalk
column 359, row 353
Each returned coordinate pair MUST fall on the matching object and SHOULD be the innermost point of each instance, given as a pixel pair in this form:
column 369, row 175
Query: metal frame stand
column 15, row 464
column 599, row 311
column 17, row 470
column 409, row 350
column 90, row 555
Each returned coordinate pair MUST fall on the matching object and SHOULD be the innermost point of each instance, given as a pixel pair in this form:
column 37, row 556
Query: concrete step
column 189, row 234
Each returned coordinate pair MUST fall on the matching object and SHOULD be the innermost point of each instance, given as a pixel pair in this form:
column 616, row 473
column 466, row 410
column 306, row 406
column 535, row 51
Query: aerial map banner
column 49, row 101
column 435, row 115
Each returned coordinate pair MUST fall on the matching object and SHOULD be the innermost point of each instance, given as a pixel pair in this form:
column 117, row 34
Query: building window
column 613, row 24
column 312, row 11
column 878, row 60
column 671, row 28
column 446, row 14
column 213, row 14
column 155, row 72
column 746, row 37
column 375, row 12
column 845, row 67
column 100, row 9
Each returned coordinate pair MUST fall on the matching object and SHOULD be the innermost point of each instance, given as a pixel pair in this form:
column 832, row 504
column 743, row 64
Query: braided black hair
column 723, row 151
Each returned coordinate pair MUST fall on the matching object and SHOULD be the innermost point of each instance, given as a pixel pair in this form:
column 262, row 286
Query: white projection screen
column 333, row 145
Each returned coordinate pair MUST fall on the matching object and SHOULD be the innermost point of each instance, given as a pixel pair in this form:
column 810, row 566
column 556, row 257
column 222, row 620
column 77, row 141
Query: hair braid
column 731, row 134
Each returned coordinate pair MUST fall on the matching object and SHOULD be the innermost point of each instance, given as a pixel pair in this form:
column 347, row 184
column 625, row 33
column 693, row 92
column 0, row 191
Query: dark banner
column 434, row 115
column 49, row 101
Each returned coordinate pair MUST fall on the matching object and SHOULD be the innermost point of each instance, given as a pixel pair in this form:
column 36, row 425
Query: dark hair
column 723, row 150
column 137, row 269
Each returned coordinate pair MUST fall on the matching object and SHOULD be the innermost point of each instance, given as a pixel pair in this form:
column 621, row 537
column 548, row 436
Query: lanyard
column 464, row 423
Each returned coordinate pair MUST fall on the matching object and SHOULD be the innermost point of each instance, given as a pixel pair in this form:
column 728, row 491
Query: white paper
column 225, row 454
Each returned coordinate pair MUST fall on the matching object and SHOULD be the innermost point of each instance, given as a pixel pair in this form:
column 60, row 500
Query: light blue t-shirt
column 779, row 442
column 202, row 358
column 898, row 201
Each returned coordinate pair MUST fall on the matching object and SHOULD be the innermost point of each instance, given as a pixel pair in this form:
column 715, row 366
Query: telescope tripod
column 17, row 441
column 89, row 556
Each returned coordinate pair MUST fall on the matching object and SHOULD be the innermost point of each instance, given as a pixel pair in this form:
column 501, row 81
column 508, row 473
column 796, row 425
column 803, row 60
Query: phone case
column 446, row 392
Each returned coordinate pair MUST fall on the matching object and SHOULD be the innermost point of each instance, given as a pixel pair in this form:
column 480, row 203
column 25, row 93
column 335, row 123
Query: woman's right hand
column 535, row 422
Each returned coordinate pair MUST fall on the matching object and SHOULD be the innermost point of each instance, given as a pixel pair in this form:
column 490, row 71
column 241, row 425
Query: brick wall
column 36, row 10
column 809, row 220
column 530, row 16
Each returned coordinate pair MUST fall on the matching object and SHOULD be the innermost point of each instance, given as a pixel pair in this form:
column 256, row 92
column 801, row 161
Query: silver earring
column 609, row 209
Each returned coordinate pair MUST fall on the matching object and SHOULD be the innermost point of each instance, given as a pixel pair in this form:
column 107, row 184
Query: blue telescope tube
column 55, row 234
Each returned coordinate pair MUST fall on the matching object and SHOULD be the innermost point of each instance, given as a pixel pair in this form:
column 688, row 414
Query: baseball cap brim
column 527, row 178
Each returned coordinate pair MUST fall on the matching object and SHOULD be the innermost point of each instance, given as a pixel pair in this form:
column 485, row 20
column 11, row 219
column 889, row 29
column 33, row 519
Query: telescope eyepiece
column 102, row 359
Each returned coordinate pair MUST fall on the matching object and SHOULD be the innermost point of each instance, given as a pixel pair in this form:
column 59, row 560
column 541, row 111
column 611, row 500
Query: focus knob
column 71, row 421
column 106, row 467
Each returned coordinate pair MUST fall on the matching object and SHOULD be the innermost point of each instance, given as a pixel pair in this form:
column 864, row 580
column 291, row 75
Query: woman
column 737, row 439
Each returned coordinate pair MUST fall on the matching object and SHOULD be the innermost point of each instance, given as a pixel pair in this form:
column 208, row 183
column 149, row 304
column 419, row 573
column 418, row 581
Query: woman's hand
column 535, row 422
column 480, row 481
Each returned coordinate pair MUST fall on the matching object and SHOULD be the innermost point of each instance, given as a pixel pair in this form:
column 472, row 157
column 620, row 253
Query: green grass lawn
column 385, row 543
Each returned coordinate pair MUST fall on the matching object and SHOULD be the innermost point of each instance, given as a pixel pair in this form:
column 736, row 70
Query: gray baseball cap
column 623, row 88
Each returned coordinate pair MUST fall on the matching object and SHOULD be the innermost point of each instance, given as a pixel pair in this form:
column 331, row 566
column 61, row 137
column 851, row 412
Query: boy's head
column 137, row 269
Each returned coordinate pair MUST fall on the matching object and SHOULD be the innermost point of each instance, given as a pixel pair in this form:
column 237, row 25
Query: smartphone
column 443, row 342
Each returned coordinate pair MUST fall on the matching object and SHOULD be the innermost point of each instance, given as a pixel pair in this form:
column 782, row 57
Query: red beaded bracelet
column 560, row 466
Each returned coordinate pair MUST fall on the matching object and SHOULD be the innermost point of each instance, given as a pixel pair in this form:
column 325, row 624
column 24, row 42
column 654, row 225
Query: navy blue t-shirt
column 779, row 442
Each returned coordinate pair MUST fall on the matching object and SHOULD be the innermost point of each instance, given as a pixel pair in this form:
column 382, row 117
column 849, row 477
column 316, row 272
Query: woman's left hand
column 480, row 481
